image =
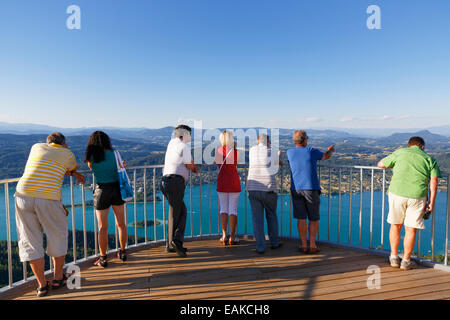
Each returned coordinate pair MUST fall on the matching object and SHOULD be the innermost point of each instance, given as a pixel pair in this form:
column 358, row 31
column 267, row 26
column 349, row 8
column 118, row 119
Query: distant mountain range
column 152, row 135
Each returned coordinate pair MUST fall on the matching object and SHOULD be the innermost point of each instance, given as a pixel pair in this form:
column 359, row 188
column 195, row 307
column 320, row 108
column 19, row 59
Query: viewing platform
column 211, row 271
column 353, row 236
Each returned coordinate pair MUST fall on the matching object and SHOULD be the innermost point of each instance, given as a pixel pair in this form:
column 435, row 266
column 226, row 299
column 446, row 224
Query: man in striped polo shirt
column 261, row 187
column 39, row 208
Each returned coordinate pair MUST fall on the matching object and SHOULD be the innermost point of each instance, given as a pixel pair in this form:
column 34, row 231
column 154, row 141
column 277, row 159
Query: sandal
column 314, row 250
column 122, row 255
column 224, row 240
column 303, row 250
column 56, row 284
column 101, row 262
column 233, row 242
column 42, row 291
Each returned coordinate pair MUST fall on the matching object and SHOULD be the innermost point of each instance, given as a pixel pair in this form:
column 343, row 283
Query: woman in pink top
column 228, row 185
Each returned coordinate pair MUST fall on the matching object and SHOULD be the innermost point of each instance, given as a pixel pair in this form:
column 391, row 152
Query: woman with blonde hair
column 228, row 185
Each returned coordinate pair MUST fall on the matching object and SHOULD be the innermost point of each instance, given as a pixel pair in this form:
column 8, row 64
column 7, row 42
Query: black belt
column 173, row 176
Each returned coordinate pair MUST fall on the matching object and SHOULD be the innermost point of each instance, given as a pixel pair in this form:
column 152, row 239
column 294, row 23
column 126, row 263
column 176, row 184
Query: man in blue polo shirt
column 305, row 188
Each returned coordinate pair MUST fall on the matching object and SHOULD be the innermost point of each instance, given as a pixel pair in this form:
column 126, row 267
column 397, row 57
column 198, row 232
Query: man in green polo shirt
column 408, row 195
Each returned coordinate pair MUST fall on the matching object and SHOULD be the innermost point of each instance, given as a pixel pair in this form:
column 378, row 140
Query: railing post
column 164, row 219
column 383, row 195
column 339, row 206
column 83, row 201
column 135, row 207
column 290, row 215
column 8, row 235
column 245, row 201
column 145, row 206
column 320, row 183
column 329, row 202
column 201, row 200
column 432, row 235
column 74, row 239
column 371, row 208
column 209, row 197
column 360, row 205
column 190, row 193
column 350, row 208
column 446, row 221
column 154, row 205
column 281, row 200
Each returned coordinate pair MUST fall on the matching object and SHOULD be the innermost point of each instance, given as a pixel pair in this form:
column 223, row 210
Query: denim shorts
column 106, row 195
column 306, row 204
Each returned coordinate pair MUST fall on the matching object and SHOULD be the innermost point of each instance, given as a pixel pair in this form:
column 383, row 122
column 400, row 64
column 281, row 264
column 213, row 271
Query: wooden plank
column 360, row 290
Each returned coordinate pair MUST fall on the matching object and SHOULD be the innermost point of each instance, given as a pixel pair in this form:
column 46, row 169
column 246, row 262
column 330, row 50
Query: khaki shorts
column 406, row 211
column 33, row 216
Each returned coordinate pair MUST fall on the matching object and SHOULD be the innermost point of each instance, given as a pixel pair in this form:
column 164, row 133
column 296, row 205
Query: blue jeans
column 260, row 201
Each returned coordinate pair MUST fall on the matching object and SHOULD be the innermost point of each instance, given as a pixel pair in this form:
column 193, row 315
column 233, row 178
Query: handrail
column 343, row 175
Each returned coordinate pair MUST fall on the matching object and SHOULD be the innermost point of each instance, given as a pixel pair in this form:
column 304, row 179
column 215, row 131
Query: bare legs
column 303, row 232
column 120, row 222
column 408, row 242
column 102, row 218
column 224, row 223
column 38, row 269
column 38, row 265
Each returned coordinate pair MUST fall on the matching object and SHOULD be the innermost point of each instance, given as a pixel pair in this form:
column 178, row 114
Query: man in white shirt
column 261, row 187
column 177, row 164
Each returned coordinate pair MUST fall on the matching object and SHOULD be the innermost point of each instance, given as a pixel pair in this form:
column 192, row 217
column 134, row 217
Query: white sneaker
column 407, row 265
column 395, row 261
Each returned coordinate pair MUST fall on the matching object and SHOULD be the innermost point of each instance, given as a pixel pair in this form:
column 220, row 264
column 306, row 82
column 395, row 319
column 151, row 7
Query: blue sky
column 228, row 63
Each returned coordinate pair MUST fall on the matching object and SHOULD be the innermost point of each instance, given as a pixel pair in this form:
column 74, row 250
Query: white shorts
column 35, row 216
column 229, row 202
column 406, row 211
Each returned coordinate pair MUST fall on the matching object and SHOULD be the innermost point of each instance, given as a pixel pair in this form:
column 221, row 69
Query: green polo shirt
column 413, row 169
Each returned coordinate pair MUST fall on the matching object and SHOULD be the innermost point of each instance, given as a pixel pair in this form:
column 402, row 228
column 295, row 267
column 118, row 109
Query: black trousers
column 173, row 187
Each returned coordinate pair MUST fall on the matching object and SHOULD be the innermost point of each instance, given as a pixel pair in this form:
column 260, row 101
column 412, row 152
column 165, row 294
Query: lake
column 209, row 217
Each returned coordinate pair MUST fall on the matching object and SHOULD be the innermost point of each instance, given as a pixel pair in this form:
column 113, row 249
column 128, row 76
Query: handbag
column 126, row 191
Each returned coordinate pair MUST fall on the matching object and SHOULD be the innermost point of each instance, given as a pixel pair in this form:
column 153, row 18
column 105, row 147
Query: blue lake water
column 205, row 217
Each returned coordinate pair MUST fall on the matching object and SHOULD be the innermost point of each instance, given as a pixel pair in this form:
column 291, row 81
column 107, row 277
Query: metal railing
column 349, row 181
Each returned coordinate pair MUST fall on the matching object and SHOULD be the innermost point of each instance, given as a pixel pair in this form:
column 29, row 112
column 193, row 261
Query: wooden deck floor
column 238, row 272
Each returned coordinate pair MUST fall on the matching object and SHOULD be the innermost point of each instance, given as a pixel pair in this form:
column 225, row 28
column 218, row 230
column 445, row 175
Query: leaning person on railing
column 261, row 187
column 177, row 164
column 39, row 208
column 305, row 188
column 228, row 185
column 102, row 161
column 408, row 196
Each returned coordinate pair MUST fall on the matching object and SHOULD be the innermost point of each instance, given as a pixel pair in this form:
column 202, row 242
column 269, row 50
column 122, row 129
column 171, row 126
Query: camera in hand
column 427, row 215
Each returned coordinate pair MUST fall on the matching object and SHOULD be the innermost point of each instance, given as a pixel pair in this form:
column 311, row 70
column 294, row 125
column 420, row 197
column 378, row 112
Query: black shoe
column 280, row 244
column 178, row 248
column 260, row 252
column 122, row 255
column 170, row 249
column 101, row 262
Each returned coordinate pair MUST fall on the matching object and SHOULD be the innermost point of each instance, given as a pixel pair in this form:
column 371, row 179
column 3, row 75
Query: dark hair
column 178, row 131
column 56, row 137
column 98, row 143
column 416, row 141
